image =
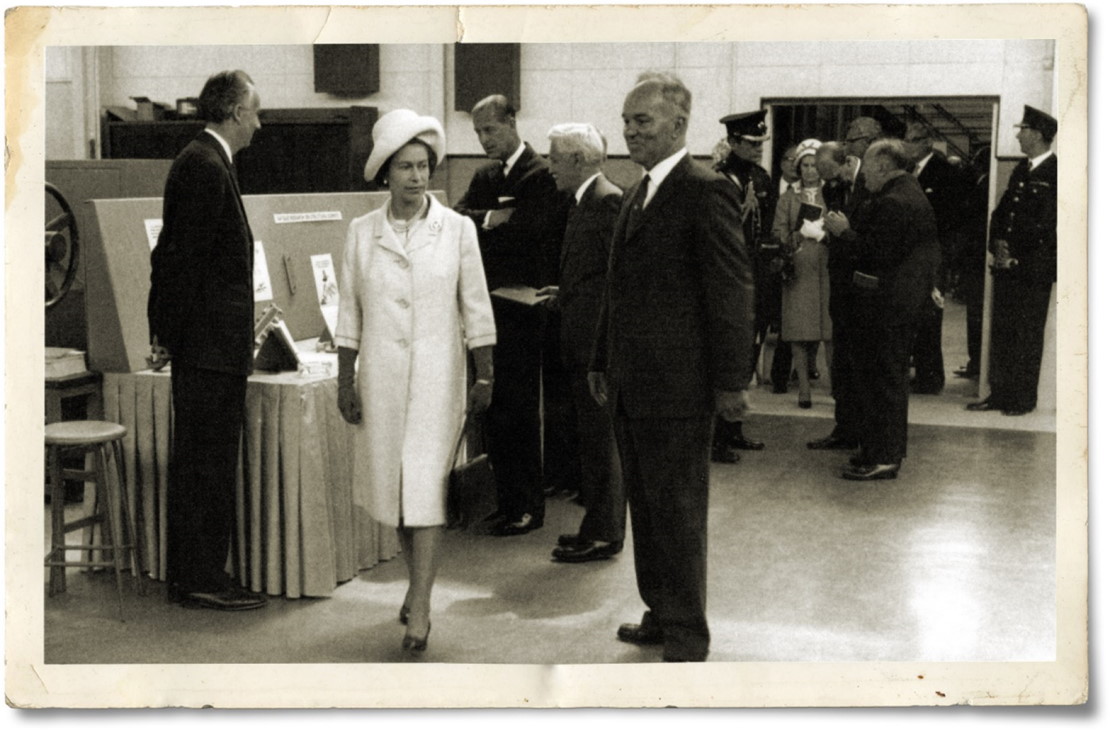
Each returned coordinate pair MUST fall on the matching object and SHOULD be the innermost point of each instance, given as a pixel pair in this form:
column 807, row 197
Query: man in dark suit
column 896, row 253
column 747, row 132
column 201, row 315
column 673, row 349
column 1023, row 244
column 844, row 191
column 576, row 154
column 942, row 186
column 520, row 218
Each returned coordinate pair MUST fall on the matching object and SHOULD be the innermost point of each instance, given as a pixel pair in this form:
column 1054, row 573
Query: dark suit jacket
column 896, row 240
column 842, row 196
column 942, row 186
column 201, row 304
column 583, row 263
column 676, row 321
column 525, row 249
column 1026, row 218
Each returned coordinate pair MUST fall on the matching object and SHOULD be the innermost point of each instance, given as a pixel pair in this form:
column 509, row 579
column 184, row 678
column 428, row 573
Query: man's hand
column 551, row 293
column 836, row 222
column 159, row 356
column 599, row 387
column 479, row 397
column 498, row 216
column 732, row 405
column 350, row 405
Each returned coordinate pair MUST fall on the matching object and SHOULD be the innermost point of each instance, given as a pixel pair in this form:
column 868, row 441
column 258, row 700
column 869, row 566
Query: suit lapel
column 206, row 138
column 671, row 185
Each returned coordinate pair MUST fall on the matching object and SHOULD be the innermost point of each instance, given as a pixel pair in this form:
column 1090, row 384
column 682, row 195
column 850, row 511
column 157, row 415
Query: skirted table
column 298, row 530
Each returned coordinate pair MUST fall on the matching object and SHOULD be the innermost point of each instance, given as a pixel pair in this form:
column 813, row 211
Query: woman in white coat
column 412, row 301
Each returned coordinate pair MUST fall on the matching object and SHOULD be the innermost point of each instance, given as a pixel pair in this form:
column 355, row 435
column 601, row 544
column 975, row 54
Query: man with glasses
column 1023, row 243
column 862, row 131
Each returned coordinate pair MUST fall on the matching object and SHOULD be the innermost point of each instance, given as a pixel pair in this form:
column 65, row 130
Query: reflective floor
column 953, row 561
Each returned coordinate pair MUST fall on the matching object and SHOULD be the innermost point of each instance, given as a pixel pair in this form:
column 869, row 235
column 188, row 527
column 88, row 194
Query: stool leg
column 129, row 514
column 110, row 530
column 57, row 519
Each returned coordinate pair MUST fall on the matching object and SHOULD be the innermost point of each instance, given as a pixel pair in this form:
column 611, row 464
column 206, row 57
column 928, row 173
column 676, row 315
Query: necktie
column 638, row 203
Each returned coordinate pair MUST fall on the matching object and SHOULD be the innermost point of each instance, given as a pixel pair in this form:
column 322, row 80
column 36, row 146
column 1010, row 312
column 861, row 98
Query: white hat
column 805, row 147
column 395, row 129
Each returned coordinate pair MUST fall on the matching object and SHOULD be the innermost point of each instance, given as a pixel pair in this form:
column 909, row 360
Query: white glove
column 813, row 229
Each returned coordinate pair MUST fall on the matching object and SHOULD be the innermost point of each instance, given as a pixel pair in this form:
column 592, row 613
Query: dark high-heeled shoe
column 404, row 615
column 414, row 644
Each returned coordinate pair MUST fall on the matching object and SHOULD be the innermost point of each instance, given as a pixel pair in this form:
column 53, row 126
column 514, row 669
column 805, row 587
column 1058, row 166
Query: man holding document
column 520, row 216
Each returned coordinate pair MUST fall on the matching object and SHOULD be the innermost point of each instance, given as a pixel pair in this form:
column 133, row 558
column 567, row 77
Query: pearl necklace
column 405, row 227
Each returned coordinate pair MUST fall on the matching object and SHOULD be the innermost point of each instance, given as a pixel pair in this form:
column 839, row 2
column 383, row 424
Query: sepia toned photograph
column 524, row 353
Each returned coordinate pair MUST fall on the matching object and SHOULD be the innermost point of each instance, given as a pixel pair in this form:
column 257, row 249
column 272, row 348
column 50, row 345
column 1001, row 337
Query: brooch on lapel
column 435, row 226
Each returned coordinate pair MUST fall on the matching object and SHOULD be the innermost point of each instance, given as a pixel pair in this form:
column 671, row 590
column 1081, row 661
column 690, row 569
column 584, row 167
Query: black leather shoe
column 523, row 525
column 805, row 403
column 569, row 540
column 640, row 634
column 778, row 389
column 984, row 406
column 743, row 443
column 591, row 552
column 930, row 389
column 854, row 462
column 966, row 373
column 233, row 599
column 1015, row 412
column 724, row 454
column 872, row 472
column 832, row 442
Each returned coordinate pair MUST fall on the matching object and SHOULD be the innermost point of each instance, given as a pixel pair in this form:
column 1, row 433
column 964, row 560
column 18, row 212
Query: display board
column 293, row 230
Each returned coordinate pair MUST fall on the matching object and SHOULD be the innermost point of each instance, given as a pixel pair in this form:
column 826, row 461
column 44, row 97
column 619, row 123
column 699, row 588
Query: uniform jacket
column 747, row 175
column 676, row 321
column 896, row 241
column 411, row 314
column 201, row 302
column 1026, row 218
column 525, row 249
column 584, row 260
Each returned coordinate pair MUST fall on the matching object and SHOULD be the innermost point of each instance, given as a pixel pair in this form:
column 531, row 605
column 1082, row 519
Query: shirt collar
column 1034, row 162
column 921, row 164
column 664, row 167
column 582, row 188
column 222, row 141
column 507, row 166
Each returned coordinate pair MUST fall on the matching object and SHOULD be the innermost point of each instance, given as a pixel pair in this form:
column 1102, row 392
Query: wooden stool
column 100, row 438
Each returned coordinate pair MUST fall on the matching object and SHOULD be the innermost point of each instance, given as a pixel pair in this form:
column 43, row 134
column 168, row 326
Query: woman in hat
column 805, row 294
column 412, row 300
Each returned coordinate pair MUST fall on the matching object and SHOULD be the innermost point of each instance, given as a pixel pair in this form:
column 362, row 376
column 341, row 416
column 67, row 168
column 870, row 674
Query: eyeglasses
column 857, row 139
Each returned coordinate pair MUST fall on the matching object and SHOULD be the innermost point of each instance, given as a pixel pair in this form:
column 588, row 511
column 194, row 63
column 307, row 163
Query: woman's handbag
column 471, row 490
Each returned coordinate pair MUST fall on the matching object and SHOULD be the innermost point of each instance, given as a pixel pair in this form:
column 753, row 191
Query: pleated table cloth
column 298, row 530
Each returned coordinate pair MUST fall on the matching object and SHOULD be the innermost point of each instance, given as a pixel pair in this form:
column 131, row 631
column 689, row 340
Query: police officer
column 1023, row 243
column 746, row 133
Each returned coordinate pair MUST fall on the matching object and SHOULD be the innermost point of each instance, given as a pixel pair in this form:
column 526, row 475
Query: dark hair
column 221, row 93
column 835, row 151
column 382, row 178
column 499, row 104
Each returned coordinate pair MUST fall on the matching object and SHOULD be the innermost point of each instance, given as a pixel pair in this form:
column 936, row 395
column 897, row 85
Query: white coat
column 411, row 315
